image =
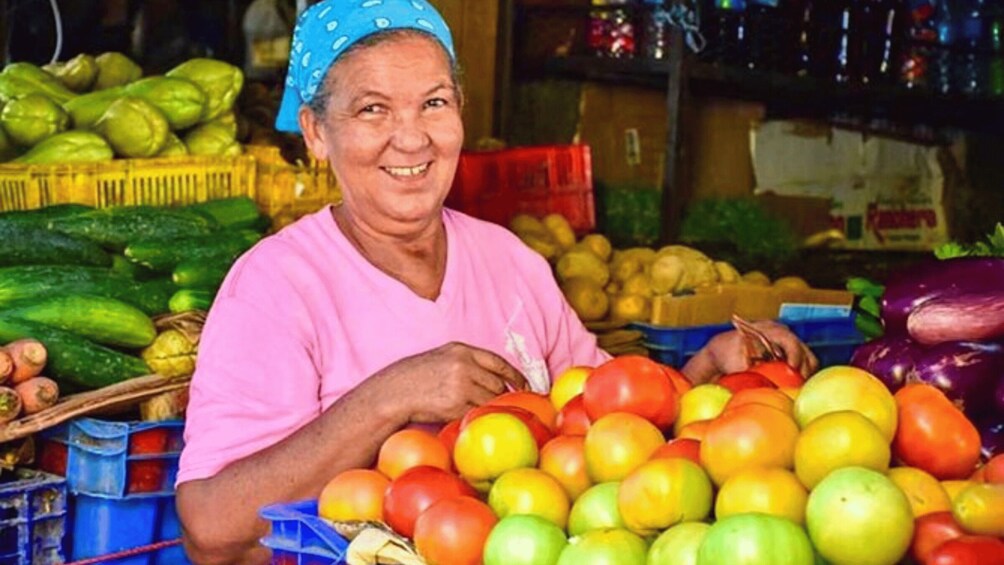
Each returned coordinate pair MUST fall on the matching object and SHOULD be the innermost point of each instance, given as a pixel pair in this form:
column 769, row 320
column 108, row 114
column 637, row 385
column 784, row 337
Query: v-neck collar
column 388, row 283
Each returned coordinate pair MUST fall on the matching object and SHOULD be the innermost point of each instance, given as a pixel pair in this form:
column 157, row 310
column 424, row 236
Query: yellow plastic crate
column 282, row 191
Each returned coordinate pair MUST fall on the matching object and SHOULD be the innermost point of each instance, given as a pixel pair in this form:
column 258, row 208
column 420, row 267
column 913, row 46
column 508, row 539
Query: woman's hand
column 726, row 353
column 444, row 383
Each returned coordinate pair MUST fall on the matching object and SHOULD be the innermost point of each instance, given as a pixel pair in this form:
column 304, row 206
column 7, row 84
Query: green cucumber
column 114, row 228
column 163, row 255
column 73, row 359
column 41, row 216
column 35, row 281
column 97, row 318
column 188, row 299
column 28, row 244
column 239, row 212
column 201, row 274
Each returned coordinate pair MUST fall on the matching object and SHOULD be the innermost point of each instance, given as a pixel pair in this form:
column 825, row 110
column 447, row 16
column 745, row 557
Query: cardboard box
column 716, row 304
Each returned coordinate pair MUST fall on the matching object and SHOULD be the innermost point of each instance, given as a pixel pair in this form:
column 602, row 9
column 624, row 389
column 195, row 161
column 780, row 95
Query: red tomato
column 681, row 383
column 572, row 419
column 416, row 490
column 932, row 530
column 537, row 404
column 745, row 380
column 968, row 550
column 448, row 435
column 409, row 448
column 686, row 448
column 453, row 531
column 633, row 384
column 780, row 373
column 540, row 432
column 933, row 434
column 993, row 471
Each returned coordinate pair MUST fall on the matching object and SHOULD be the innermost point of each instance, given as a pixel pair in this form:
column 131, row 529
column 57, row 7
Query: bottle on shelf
column 877, row 31
column 921, row 36
column 654, row 30
column 973, row 69
column 611, row 29
column 942, row 63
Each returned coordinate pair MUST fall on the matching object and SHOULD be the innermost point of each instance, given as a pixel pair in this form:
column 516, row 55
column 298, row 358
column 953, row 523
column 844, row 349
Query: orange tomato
column 979, row 475
column 410, row 448
column 748, row 436
column 694, row 430
column 573, row 419
column 780, row 373
column 356, row 494
column 537, row 404
column 568, row 385
column 662, row 493
column 684, row 447
column 773, row 491
column 619, row 443
column 994, row 470
column 540, row 432
column 448, row 434
column 769, row 396
column 680, row 382
column 564, row 458
column 453, row 531
column 925, row 493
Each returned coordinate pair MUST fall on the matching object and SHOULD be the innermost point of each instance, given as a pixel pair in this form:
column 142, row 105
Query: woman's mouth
column 407, row 172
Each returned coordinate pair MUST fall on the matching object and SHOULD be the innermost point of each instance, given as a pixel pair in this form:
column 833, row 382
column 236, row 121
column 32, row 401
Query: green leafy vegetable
column 756, row 235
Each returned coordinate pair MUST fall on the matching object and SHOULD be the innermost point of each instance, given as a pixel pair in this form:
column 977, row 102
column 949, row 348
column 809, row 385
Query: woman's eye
column 371, row 109
column 436, row 103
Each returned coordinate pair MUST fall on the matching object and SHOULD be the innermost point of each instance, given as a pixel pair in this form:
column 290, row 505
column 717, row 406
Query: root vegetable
column 6, row 365
column 10, row 404
column 29, row 357
column 37, row 394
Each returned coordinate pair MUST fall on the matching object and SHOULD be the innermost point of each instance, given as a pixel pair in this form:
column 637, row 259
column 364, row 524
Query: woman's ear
column 313, row 133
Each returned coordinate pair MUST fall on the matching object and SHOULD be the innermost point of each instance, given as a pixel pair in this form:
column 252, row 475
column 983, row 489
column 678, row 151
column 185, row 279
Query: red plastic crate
column 497, row 185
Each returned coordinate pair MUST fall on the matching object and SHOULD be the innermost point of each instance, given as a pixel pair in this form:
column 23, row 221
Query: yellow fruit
column 493, row 444
column 579, row 263
column 766, row 490
column 586, row 298
column 925, row 493
column 840, row 388
column 703, row 402
column 643, row 254
column 756, row 278
column 568, row 385
column 638, row 284
column 662, row 493
column 726, row 272
column 837, row 440
column 599, row 245
column 529, row 491
column 619, row 443
column 630, row 307
column 560, row 230
column 793, row 283
column 667, row 272
column 953, row 488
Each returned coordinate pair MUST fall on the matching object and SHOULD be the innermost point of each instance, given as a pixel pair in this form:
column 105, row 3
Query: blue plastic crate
column 833, row 340
column 300, row 537
column 32, row 519
column 102, row 462
column 104, row 526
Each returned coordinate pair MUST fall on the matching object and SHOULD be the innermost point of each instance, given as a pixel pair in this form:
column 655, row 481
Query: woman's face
column 392, row 131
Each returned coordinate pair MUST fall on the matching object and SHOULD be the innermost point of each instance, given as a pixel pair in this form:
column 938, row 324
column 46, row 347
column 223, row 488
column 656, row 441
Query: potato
column 599, row 245
column 667, row 272
column 560, row 230
column 581, row 263
column 625, row 267
column 630, row 308
column 586, row 298
column 755, row 278
column 792, row 283
column 638, row 284
column 726, row 272
column 522, row 224
column 542, row 245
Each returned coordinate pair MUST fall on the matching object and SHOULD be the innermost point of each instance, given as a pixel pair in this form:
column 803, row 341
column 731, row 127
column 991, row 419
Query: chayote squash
column 32, row 118
column 85, row 110
column 173, row 147
column 41, row 81
column 227, row 121
column 115, row 69
column 222, row 83
column 74, row 146
column 12, row 87
column 133, row 127
column 180, row 100
column 78, row 74
column 212, row 139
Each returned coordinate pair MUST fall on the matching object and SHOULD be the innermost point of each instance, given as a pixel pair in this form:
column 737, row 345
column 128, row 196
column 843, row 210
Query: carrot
column 10, row 404
column 29, row 356
column 37, row 394
column 6, row 365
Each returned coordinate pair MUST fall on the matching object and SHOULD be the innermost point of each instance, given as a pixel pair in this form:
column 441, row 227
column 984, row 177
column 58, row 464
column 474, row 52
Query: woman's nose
column 411, row 134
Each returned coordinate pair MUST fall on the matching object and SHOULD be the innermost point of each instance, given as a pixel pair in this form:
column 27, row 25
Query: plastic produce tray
column 32, row 518
column 299, row 537
column 103, row 526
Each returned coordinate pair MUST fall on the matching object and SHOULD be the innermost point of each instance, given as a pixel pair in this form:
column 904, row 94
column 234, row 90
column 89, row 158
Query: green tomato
column 605, row 547
column 523, row 539
column 596, row 509
column 678, row 545
column 756, row 539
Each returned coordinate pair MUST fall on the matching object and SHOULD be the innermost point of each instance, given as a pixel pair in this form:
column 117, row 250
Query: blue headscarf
column 327, row 29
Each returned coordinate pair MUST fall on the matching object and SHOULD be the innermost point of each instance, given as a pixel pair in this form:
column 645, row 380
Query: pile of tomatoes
column 627, row 463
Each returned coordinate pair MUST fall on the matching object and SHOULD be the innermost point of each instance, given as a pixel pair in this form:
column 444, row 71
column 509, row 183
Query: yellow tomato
column 847, row 388
column 493, row 444
column 662, row 493
column 619, row 443
column 979, row 509
column 925, row 493
column 356, row 494
column 529, row 491
column 703, row 402
column 564, row 458
column 837, row 440
column 953, row 488
column 754, row 435
column 765, row 490
column 568, row 385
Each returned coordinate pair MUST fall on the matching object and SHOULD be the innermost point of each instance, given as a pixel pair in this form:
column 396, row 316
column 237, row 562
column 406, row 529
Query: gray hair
column 318, row 104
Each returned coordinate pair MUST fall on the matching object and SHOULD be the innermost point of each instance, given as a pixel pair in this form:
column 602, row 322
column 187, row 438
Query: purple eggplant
column 962, row 317
column 999, row 396
column 910, row 288
column 889, row 358
column 967, row 372
column 992, row 436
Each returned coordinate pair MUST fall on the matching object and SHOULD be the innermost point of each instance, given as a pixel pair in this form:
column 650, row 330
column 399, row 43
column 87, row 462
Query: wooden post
column 675, row 189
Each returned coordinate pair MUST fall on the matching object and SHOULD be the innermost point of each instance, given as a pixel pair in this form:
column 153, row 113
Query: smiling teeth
column 407, row 171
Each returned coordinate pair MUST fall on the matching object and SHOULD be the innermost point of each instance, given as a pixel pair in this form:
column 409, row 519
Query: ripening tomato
column 662, row 493
column 537, row 404
column 979, row 475
column 933, row 434
column 605, row 547
column 417, row 489
column 493, row 444
column 772, row 491
column 769, row 396
column 410, row 448
column 837, row 440
column 993, row 471
column 573, row 419
column 356, row 494
column 847, row 388
column 684, row 447
column 932, row 530
column 680, row 382
column 564, row 458
column 448, row 434
column 540, row 432
column 453, row 531
column 568, row 385
column 968, row 550
column 529, row 491
column 780, row 373
column 755, row 538
column 925, row 493
column 694, row 430
column 619, row 443
column 748, row 436
column 632, row 384
column 979, row 509
column 745, row 380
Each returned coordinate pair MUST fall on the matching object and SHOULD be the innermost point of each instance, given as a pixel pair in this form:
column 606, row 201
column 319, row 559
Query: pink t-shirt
column 303, row 318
